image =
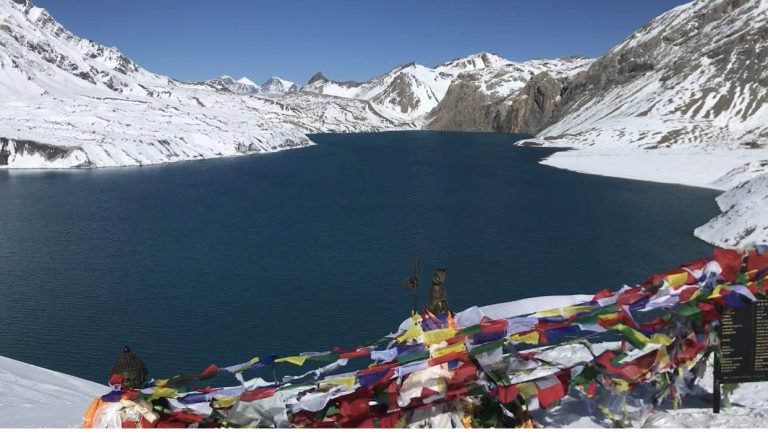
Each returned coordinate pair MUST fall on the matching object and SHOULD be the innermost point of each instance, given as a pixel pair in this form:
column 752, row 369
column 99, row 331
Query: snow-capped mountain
column 243, row 86
column 693, row 77
column 405, row 92
column 277, row 85
column 682, row 100
column 693, row 81
column 483, row 81
column 411, row 91
column 69, row 102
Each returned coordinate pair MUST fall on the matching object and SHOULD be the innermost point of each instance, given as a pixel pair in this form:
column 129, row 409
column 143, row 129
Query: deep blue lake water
column 217, row 261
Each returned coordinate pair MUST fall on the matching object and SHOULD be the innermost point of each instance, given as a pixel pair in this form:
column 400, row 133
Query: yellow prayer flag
column 296, row 360
column 163, row 392
column 528, row 338
column 661, row 339
column 716, row 291
column 345, row 382
column 662, row 357
column 161, row 383
column 573, row 310
column 549, row 312
column 226, row 401
column 439, row 335
column 677, row 279
column 455, row 348
column 412, row 333
column 620, row 384
column 563, row 311
column 527, row 389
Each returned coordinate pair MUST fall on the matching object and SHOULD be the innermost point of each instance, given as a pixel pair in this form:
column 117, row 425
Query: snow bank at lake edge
column 35, row 397
column 742, row 174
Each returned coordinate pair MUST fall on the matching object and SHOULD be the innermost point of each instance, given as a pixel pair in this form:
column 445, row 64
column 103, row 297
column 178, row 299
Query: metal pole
column 717, row 373
column 716, row 387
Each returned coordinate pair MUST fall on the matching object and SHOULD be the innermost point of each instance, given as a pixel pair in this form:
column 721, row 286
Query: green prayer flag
column 327, row 358
column 469, row 331
column 490, row 346
column 688, row 309
column 411, row 357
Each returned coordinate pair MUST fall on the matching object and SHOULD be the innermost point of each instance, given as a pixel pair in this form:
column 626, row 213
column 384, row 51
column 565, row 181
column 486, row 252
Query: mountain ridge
column 692, row 80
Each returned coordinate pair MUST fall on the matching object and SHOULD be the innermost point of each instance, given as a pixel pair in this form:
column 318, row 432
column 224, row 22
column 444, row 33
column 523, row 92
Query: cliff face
column 531, row 108
column 694, row 76
column 516, row 96
column 464, row 108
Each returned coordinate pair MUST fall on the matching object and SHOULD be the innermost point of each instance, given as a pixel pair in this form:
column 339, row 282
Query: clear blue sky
column 345, row 39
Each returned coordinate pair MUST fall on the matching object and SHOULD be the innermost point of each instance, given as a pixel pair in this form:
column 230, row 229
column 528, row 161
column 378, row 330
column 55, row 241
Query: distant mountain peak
column 246, row 81
column 318, row 76
column 276, row 84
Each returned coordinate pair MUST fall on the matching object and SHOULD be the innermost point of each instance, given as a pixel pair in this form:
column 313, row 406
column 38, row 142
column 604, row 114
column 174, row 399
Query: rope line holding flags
column 472, row 369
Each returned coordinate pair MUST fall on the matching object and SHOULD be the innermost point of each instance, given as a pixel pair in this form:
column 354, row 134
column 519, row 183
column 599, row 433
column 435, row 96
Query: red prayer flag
column 116, row 379
column 709, row 312
column 209, row 371
column 355, row 354
column 493, row 326
column 631, row 296
column 465, row 373
column 255, row 395
column 550, row 395
column 592, row 389
column 355, row 406
column 756, row 262
column 507, row 393
column 730, row 262
column 185, row 417
column 605, row 293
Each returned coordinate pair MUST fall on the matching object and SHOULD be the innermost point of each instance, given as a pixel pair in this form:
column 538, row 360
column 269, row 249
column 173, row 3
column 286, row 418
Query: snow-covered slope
column 745, row 214
column 34, row 397
column 501, row 78
column 695, row 78
column 407, row 92
column 68, row 102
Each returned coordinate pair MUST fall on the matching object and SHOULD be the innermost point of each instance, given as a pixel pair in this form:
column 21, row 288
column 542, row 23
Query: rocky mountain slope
column 277, row 85
column 693, row 77
column 412, row 91
column 693, row 80
column 244, row 86
column 681, row 100
column 69, row 102
column 471, row 100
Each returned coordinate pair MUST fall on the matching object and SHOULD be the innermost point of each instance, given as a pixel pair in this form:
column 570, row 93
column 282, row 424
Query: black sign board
column 743, row 346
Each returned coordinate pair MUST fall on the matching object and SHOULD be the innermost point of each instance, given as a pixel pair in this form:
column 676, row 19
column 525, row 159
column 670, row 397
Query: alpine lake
column 221, row 260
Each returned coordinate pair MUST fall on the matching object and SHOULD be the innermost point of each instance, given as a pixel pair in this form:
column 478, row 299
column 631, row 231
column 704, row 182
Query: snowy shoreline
column 742, row 176
column 22, row 169
column 684, row 167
